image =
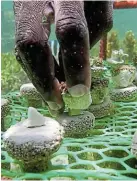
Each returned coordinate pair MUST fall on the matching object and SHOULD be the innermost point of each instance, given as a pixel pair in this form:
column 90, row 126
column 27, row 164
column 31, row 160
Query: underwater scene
column 69, row 90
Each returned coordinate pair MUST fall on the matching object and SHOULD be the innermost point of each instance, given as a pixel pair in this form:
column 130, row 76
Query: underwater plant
column 113, row 43
column 129, row 44
column 12, row 74
column 135, row 59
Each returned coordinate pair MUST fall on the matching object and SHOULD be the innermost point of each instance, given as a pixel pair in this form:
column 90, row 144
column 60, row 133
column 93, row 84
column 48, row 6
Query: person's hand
column 79, row 25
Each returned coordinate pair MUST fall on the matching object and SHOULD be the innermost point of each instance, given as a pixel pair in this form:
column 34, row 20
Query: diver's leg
column 99, row 16
column 34, row 51
column 72, row 34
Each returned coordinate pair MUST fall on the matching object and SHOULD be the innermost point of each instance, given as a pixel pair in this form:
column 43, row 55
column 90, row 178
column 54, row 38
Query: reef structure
column 31, row 95
column 5, row 109
column 33, row 141
column 123, row 75
column 101, row 104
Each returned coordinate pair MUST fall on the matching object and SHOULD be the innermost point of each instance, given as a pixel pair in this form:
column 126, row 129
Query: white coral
column 35, row 119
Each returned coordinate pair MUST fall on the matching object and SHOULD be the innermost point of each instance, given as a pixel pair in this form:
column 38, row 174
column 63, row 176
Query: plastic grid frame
column 104, row 154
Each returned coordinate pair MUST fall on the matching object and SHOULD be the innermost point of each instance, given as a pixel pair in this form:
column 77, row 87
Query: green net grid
column 104, row 155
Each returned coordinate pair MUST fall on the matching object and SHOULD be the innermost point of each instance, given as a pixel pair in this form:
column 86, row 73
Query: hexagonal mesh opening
column 91, row 156
column 111, row 165
column 116, row 153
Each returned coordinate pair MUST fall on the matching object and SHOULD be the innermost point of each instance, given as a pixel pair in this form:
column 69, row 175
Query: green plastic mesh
column 104, row 155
